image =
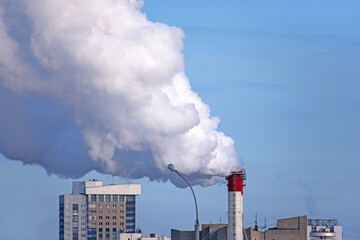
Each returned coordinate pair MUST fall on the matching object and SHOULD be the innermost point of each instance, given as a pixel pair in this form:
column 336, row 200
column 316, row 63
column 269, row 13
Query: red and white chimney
column 236, row 183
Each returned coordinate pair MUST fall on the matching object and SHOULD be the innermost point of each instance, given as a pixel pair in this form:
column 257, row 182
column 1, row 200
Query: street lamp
column 171, row 167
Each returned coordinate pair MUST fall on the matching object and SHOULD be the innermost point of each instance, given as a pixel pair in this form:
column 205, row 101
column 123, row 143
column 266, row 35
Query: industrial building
column 96, row 212
column 139, row 236
column 294, row 228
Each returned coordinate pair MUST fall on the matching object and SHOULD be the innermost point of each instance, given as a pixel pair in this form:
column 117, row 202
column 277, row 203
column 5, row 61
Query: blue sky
column 284, row 77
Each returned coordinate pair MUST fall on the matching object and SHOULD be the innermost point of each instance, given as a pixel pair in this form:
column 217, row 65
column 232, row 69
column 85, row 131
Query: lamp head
column 171, row 167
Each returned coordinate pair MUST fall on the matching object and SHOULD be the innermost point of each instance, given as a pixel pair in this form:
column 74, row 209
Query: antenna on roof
column 256, row 225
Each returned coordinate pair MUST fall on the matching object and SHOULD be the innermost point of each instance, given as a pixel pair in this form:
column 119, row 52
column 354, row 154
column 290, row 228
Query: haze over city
column 116, row 91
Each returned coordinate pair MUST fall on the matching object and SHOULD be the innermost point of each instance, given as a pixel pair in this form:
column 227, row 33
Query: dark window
column 107, row 233
column 92, row 234
column 100, row 198
column 100, row 234
column 75, row 208
column 114, row 234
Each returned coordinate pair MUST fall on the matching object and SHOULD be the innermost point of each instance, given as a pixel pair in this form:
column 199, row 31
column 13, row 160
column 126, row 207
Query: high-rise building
column 96, row 212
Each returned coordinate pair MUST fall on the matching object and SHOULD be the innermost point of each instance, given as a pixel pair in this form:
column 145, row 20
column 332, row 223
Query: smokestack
column 236, row 183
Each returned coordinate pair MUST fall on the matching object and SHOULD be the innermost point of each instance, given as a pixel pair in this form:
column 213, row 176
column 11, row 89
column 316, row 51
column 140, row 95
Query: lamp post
column 171, row 167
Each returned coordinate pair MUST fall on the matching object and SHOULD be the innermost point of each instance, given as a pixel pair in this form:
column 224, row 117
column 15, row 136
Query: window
column 100, row 205
column 114, row 211
column 114, row 223
column 107, row 217
column 83, row 223
column 121, row 198
column 100, row 223
column 92, row 205
column 108, row 198
column 92, row 234
column 92, row 211
column 83, row 217
column 121, row 224
column 100, row 211
column 114, row 217
column 75, row 208
column 100, row 198
column 83, row 205
column 107, row 223
column 114, row 205
column 121, row 205
column 121, row 211
column 107, row 205
column 100, row 234
column 107, row 211
column 93, row 198
column 114, row 234
column 107, row 234
column 114, row 198
column 83, row 229
column 83, row 235
column 130, row 217
column 130, row 198
column 121, row 217
column 92, row 217
column 100, row 217
column 93, row 223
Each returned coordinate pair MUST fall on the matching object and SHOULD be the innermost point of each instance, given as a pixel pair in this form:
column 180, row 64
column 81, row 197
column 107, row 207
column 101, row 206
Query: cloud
column 97, row 85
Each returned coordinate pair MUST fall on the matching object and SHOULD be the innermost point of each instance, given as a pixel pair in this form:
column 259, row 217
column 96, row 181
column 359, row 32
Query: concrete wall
column 182, row 235
column 287, row 229
column 123, row 189
column 214, row 231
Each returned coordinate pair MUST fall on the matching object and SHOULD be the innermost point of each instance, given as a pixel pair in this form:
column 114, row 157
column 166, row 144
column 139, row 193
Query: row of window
column 68, row 223
column 106, row 205
column 106, row 223
column 68, row 211
column 68, row 229
column 68, row 205
column 106, row 217
column 106, row 198
column 106, row 211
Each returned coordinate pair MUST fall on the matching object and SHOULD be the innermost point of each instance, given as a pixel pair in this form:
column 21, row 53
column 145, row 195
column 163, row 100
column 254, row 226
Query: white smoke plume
column 95, row 85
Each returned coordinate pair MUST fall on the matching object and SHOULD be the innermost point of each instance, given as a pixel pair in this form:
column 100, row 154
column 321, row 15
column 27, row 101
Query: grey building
column 96, row 212
column 72, row 217
column 208, row 232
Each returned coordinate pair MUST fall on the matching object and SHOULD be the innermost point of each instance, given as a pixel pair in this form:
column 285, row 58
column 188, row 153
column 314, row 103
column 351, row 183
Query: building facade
column 97, row 212
column 294, row 228
column 298, row 228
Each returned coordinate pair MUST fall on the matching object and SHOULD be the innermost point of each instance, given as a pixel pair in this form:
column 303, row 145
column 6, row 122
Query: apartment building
column 96, row 212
